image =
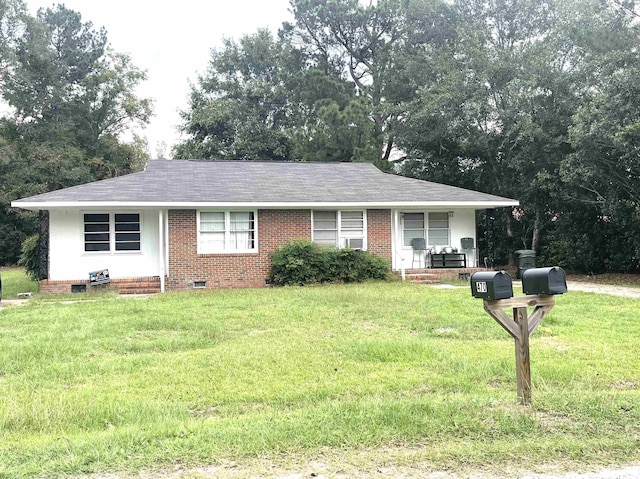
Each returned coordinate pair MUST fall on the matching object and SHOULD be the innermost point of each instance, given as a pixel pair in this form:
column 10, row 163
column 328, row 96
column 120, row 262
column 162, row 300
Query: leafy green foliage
column 535, row 101
column 71, row 98
column 263, row 99
column 30, row 257
column 302, row 262
column 239, row 109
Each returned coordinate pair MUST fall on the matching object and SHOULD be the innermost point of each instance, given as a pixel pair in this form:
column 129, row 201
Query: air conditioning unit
column 354, row 243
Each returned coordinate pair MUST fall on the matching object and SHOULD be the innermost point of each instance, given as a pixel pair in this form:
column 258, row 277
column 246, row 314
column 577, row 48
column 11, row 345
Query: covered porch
column 436, row 275
column 435, row 243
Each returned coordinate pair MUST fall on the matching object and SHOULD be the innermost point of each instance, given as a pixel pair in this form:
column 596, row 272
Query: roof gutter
column 48, row 205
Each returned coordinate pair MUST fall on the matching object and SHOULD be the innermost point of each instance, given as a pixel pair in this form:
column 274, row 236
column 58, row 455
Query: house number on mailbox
column 481, row 286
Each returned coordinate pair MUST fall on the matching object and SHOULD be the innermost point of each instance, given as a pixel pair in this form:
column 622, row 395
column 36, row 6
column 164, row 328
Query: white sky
column 171, row 40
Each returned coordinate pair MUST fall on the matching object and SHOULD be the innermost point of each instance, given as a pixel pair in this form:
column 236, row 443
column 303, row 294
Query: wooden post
column 523, row 366
column 520, row 327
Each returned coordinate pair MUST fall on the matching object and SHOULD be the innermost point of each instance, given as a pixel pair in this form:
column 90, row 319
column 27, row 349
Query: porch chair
column 419, row 246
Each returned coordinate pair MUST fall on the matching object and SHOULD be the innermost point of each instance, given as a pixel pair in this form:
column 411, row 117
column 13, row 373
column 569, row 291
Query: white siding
column 69, row 261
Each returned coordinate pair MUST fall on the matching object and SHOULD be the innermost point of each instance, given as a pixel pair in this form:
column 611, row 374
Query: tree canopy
column 534, row 100
column 70, row 97
column 529, row 99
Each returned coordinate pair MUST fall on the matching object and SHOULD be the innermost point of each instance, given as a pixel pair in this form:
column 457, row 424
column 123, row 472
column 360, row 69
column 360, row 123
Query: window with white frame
column 107, row 232
column 226, row 231
column 343, row 229
column 413, row 227
column 438, row 234
column 435, row 230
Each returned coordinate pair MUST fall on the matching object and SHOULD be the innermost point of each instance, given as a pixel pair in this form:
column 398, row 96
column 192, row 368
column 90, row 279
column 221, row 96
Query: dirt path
column 613, row 290
column 333, row 467
column 624, row 291
column 12, row 302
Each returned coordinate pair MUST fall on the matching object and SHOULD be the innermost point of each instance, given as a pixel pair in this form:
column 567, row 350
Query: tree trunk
column 535, row 240
column 509, row 230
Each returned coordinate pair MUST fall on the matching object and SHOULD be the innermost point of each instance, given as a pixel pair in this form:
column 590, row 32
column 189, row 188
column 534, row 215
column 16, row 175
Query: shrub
column 302, row 262
column 30, row 256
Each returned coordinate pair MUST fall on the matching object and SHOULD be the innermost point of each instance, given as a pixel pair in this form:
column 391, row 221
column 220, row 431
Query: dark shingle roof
column 169, row 182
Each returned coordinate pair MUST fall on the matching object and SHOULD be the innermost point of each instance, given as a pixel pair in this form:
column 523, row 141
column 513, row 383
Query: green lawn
column 14, row 281
column 202, row 377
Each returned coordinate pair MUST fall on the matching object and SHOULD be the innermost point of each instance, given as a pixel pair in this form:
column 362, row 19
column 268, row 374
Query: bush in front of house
column 30, row 257
column 301, row 262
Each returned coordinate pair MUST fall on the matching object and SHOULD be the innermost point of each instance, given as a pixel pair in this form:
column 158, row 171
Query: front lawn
column 208, row 376
column 15, row 281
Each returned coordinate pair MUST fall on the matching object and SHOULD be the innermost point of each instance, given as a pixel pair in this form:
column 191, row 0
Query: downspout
column 167, row 271
column 161, row 247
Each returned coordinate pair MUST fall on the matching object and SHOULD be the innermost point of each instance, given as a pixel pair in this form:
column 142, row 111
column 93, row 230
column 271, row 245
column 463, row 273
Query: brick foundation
column 122, row 286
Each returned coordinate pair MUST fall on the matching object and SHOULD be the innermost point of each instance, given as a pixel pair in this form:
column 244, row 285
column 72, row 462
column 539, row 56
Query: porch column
column 397, row 244
column 161, row 247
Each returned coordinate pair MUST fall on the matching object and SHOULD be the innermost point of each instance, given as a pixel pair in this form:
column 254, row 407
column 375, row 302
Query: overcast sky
column 171, row 40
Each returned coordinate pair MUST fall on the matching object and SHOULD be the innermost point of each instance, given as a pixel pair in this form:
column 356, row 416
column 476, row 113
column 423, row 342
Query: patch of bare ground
column 410, row 462
column 617, row 279
column 613, row 290
column 625, row 385
column 554, row 343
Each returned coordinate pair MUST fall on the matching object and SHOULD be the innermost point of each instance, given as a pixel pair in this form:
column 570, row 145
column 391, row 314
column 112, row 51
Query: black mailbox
column 544, row 281
column 491, row 285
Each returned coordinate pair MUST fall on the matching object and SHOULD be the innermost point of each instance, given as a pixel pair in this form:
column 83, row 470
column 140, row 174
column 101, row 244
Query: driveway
column 624, row 291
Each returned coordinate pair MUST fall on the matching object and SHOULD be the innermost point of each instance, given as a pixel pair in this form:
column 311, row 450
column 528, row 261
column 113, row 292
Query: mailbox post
column 540, row 284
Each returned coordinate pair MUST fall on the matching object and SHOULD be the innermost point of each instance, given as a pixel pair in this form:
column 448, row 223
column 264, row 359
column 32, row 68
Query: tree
column 238, row 110
column 370, row 43
column 263, row 99
column 71, row 99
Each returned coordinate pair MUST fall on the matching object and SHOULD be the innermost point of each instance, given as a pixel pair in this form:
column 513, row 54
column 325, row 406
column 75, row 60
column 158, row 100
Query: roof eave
column 48, row 205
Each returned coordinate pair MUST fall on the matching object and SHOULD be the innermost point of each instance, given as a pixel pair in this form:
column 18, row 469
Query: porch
column 436, row 275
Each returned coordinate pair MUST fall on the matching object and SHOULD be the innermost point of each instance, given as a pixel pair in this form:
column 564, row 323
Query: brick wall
column 275, row 227
column 379, row 233
column 229, row 270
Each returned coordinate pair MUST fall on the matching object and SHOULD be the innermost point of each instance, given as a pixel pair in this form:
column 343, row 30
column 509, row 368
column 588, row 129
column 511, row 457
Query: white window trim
column 112, row 233
column 227, row 231
column 365, row 234
column 426, row 227
column 447, row 229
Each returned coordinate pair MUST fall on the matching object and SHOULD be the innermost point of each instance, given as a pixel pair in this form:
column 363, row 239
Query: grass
column 202, row 377
column 14, row 281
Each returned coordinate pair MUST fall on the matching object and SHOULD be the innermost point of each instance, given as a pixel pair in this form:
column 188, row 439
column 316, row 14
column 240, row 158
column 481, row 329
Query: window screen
column 325, row 227
column 413, row 227
column 439, row 229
